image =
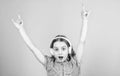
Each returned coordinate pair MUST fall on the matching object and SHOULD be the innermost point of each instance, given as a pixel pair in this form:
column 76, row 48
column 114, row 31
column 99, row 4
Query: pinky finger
column 16, row 25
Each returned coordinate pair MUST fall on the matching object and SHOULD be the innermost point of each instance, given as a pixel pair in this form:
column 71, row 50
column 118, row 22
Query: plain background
column 44, row 19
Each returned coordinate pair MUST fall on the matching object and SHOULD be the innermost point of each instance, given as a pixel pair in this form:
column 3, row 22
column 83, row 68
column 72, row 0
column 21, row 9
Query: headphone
column 70, row 48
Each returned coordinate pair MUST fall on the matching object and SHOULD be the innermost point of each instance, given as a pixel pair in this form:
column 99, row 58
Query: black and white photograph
column 59, row 38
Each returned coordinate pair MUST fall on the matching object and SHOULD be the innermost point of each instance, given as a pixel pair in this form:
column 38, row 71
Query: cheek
column 56, row 53
column 65, row 52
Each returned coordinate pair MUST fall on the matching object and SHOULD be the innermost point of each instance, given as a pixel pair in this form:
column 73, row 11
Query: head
column 61, row 48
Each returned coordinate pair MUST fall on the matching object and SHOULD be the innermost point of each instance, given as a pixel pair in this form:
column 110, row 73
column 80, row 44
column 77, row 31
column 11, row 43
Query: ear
column 51, row 51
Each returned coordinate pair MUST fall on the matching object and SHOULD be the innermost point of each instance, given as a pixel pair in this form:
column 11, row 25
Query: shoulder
column 49, row 60
column 75, row 61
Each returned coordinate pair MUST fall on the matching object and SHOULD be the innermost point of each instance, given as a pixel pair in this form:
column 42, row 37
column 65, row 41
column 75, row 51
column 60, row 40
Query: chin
column 59, row 60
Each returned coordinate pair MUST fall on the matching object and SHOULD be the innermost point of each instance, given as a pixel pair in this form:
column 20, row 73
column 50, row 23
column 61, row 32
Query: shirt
column 67, row 68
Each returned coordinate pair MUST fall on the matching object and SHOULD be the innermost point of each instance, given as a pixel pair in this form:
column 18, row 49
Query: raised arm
column 19, row 25
column 84, row 15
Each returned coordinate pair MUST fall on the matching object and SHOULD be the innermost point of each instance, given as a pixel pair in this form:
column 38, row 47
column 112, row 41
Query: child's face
column 60, row 51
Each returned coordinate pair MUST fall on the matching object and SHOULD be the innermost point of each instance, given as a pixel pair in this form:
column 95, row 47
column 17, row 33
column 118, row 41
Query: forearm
column 19, row 25
column 33, row 49
column 82, row 39
column 84, row 30
column 26, row 38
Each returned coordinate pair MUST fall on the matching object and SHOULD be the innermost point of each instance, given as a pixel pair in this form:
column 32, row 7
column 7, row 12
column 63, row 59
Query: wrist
column 21, row 29
column 85, row 20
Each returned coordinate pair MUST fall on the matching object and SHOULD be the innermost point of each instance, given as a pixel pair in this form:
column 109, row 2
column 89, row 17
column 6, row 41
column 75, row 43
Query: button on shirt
column 67, row 68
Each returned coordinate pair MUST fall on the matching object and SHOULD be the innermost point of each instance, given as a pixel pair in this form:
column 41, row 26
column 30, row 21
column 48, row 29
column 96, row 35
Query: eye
column 63, row 48
column 56, row 49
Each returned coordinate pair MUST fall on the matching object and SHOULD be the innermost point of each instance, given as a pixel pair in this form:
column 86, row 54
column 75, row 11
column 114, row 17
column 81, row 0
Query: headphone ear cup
column 51, row 51
column 70, row 48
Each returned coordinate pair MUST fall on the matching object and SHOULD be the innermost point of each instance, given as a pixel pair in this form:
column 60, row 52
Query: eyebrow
column 64, row 46
column 55, row 47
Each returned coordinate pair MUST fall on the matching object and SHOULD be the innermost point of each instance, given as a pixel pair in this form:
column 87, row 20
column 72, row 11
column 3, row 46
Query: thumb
column 16, row 25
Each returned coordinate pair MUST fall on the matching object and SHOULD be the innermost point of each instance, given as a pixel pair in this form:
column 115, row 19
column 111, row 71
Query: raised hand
column 85, row 13
column 18, row 23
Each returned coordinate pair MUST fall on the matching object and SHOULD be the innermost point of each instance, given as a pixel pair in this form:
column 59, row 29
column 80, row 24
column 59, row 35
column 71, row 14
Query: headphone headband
column 65, row 39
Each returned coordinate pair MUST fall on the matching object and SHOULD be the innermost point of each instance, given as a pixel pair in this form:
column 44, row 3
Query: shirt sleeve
column 48, row 62
column 75, row 61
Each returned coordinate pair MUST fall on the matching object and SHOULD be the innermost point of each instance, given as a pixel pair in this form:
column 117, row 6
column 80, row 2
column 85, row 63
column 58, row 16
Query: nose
column 60, row 52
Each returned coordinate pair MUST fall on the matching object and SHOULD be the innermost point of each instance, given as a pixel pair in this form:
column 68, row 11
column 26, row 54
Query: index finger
column 19, row 17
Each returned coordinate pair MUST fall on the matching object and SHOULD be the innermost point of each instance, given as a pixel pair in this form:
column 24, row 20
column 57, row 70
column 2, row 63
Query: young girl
column 63, row 60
